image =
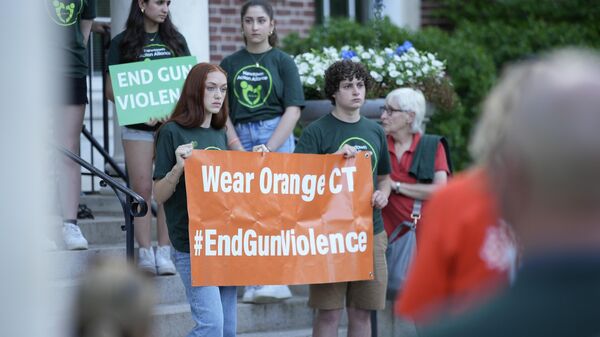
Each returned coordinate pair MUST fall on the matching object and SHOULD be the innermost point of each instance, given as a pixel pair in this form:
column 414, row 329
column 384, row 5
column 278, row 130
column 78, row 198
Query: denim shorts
column 256, row 133
column 134, row 134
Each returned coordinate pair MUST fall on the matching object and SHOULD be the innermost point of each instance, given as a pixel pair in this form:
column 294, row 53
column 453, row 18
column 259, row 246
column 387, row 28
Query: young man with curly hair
column 344, row 131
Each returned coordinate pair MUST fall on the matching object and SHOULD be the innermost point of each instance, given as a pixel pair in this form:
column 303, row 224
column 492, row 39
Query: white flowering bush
column 392, row 67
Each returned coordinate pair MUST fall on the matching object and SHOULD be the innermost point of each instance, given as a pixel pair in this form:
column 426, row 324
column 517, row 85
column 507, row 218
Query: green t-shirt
column 328, row 134
column 153, row 49
column 66, row 16
column 170, row 136
column 261, row 92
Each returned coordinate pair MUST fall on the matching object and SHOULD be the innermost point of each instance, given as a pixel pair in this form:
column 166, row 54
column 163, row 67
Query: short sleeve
column 165, row 153
column 293, row 93
column 308, row 142
column 89, row 10
column 384, row 166
column 441, row 161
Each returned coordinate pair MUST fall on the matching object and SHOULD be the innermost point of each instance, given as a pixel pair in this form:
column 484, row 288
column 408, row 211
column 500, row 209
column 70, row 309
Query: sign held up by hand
column 148, row 89
column 279, row 218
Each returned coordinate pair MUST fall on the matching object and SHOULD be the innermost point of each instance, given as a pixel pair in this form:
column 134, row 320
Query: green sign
column 148, row 89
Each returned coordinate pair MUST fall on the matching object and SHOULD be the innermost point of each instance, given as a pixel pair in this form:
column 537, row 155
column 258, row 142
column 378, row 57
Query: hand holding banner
column 279, row 218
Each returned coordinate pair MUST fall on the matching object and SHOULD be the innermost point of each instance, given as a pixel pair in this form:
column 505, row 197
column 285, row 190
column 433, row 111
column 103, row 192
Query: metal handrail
column 133, row 204
column 109, row 160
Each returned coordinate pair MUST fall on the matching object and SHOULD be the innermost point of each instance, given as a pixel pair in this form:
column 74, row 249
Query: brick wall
column 225, row 26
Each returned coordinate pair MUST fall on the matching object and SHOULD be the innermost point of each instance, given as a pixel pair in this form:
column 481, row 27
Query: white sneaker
column 73, row 238
column 271, row 294
column 164, row 265
column 249, row 294
column 146, row 260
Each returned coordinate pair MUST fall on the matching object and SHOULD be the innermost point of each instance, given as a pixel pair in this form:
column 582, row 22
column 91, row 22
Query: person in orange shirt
column 465, row 251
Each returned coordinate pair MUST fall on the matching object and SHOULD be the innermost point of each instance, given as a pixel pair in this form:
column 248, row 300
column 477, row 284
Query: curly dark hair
column 135, row 35
column 345, row 70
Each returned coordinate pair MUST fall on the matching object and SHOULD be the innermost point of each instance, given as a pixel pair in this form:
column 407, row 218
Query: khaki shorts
column 367, row 295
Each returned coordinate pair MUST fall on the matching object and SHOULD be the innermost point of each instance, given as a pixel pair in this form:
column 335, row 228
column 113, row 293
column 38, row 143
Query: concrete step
column 173, row 320
column 70, row 264
column 342, row 331
column 106, row 229
column 169, row 289
column 102, row 203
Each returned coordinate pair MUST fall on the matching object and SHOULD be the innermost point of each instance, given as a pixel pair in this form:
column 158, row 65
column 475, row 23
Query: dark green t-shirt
column 328, row 134
column 153, row 49
column 170, row 136
column 261, row 92
column 66, row 16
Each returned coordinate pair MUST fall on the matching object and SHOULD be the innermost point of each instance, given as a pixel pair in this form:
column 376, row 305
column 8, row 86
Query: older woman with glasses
column 419, row 163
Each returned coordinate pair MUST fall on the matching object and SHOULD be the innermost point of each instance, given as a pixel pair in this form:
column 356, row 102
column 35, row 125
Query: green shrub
column 472, row 73
column 470, row 69
column 341, row 32
column 510, row 42
column 582, row 12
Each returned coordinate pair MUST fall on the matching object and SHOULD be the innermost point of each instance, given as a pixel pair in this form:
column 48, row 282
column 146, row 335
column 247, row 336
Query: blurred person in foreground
column 545, row 175
column 466, row 252
column 114, row 300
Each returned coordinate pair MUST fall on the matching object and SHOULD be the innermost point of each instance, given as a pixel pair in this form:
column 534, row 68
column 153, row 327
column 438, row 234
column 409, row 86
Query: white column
column 191, row 18
column 404, row 13
column 26, row 89
column 326, row 10
column 352, row 9
column 119, row 10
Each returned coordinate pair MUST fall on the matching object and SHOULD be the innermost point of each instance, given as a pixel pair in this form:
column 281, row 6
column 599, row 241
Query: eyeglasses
column 389, row 111
column 213, row 90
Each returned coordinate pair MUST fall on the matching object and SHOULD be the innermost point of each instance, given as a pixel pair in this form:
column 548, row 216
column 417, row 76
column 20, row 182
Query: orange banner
column 278, row 218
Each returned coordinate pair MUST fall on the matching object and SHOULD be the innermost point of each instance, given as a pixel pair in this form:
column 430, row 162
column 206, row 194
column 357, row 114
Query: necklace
column 256, row 62
column 153, row 37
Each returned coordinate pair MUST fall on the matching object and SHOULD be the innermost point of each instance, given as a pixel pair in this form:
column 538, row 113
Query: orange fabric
column 450, row 269
column 254, row 225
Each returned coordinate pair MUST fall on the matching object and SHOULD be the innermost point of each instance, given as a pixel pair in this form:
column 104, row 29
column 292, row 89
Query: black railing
column 133, row 204
column 104, row 153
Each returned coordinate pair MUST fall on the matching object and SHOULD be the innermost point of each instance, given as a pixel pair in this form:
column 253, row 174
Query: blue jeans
column 214, row 309
column 256, row 133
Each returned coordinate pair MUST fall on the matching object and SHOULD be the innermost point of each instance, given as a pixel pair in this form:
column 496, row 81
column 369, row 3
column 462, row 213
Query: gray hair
column 409, row 99
column 498, row 109
column 552, row 136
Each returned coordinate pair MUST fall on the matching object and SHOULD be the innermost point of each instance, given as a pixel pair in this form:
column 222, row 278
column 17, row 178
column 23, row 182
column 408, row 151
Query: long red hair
column 189, row 111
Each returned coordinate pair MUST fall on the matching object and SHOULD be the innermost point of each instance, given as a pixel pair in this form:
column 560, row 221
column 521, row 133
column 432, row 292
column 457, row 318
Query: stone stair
column 290, row 318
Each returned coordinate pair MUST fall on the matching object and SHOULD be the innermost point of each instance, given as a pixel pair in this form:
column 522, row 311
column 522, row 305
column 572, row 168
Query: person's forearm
column 415, row 191
column 233, row 141
column 164, row 188
column 285, row 128
column 86, row 28
column 383, row 185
